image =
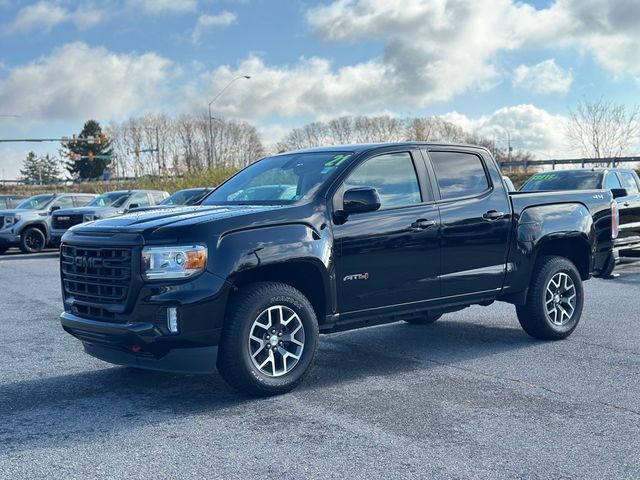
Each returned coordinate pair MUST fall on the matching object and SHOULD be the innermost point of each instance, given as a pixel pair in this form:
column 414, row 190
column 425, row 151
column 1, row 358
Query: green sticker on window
column 335, row 161
column 544, row 176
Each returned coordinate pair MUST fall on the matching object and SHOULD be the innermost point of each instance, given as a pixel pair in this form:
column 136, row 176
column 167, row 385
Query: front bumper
column 142, row 345
column 138, row 334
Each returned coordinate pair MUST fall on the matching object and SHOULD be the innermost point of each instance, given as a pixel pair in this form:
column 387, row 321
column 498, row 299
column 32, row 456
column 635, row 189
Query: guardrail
column 609, row 162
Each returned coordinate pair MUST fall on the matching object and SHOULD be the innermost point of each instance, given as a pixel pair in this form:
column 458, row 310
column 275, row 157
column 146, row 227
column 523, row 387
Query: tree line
column 158, row 144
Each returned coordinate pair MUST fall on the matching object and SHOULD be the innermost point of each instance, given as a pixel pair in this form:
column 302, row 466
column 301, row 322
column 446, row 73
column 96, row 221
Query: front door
column 390, row 256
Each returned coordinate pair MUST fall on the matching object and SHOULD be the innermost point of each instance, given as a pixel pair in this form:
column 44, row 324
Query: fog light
column 172, row 319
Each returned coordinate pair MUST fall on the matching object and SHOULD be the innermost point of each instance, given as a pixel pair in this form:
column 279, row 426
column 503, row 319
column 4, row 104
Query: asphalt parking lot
column 469, row 397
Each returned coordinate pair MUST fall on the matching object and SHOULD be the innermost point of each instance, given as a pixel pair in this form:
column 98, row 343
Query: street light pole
column 211, row 103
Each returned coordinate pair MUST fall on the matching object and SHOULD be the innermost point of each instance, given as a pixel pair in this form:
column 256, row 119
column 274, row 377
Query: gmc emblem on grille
column 87, row 262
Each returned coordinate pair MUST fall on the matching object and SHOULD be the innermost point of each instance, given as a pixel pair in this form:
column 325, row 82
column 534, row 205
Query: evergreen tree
column 88, row 160
column 40, row 170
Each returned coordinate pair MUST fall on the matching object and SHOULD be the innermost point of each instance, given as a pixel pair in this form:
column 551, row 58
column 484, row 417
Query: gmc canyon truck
column 331, row 239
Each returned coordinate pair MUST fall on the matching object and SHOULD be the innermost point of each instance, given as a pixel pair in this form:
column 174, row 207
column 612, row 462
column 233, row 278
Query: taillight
column 615, row 219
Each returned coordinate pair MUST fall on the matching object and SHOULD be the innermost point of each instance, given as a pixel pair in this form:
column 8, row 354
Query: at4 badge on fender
column 356, row 276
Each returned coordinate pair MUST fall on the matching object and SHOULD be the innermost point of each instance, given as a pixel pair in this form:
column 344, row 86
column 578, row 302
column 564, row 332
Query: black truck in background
column 324, row 240
column 624, row 185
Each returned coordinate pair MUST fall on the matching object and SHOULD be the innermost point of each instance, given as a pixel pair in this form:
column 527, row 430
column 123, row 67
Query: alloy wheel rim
column 276, row 341
column 33, row 241
column 560, row 299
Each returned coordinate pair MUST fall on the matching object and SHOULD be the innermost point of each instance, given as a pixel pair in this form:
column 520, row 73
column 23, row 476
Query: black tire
column 3, row 249
column 32, row 240
column 235, row 362
column 534, row 317
column 426, row 319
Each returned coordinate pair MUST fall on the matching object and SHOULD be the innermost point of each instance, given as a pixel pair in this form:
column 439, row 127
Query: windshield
column 567, row 180
column 37, row 202
column 185, row 197
column 281, row 179
column 111, row 199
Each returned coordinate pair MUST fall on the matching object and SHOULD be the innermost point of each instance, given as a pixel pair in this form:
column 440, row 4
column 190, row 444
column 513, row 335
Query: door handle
column 626, row 204
column 493, row 215
column 422, row 223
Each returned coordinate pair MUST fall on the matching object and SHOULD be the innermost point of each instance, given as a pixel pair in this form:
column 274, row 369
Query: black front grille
column 96, row 279
column 1, row 221
column 64, row 222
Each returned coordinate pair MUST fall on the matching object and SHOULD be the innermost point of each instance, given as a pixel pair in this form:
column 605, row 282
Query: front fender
column 240, row 251
column 31, row 222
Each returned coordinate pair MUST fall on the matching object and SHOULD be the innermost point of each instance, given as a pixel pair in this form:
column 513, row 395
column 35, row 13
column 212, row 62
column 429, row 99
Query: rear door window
column 459, row 174
column 629, row 182
column 141, row 199
column 64, row 202
column 82, row 200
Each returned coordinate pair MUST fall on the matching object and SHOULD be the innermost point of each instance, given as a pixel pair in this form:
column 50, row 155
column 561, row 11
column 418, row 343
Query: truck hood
column 152, row 220
column 23, row 212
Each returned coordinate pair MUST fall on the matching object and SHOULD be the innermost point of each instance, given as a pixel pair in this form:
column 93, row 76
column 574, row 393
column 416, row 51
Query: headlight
column 89, row 217
column 182, row 261
column 11, row 220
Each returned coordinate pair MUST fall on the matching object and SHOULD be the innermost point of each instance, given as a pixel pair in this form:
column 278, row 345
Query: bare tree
column 603, row 129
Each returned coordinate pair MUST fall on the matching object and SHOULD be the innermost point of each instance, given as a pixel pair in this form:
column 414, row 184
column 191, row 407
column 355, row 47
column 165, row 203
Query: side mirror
column 132, row 206
column 360, row 200
column 54, row 208
column 619, row 192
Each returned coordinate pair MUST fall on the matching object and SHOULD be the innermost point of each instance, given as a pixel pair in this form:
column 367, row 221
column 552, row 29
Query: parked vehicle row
column 34, row 223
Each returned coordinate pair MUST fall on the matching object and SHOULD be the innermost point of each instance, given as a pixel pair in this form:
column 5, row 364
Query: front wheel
column 32, row 240
column 269, row 340
column 555, row 300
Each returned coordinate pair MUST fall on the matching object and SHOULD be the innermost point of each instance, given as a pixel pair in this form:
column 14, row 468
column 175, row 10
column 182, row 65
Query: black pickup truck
column 323, row 240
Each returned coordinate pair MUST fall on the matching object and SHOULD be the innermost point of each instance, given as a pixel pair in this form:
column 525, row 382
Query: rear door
column 391, row 256
column 476, row 222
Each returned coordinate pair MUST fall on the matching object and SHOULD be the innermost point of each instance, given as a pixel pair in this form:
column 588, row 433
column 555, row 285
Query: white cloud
column 208, row 22
column 43, row 16
column 531, row 128
column 544, row 77
column 156, row 7
column 77, row 82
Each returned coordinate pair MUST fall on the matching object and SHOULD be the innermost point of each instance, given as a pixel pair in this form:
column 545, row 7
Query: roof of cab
column 363, row 147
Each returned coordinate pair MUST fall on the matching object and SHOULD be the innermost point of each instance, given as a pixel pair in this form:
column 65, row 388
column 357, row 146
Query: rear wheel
column 32, row 240
column 555, row 299
column 269, row 340
column 426, row 319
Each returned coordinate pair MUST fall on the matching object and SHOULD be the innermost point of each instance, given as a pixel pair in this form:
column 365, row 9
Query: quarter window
column 629, row 182
column 392, row 175
column 459, row 174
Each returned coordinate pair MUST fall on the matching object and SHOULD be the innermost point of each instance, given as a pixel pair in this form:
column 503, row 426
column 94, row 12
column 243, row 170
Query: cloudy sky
column 490, row 65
